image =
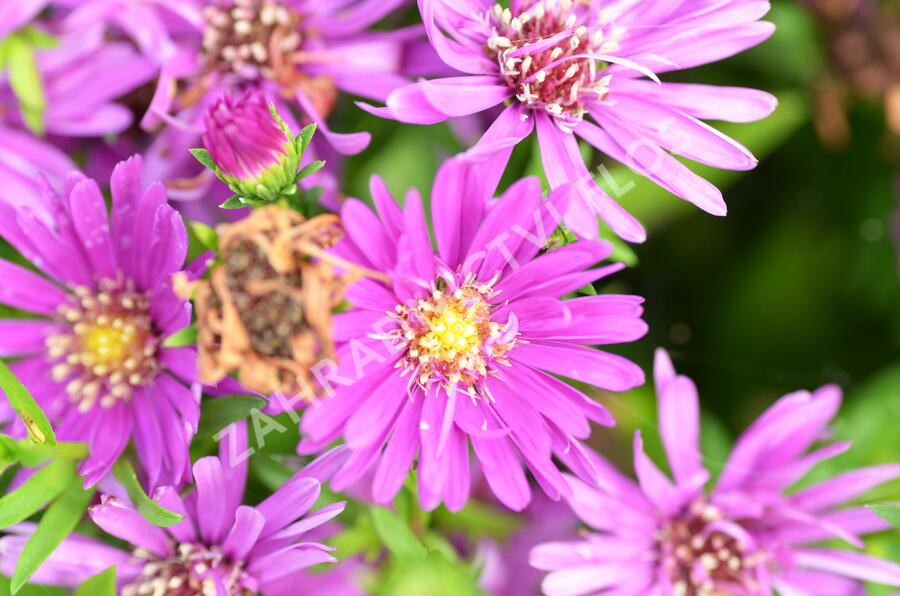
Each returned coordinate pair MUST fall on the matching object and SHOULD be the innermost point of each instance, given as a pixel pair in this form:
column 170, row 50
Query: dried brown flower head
column 265, row 312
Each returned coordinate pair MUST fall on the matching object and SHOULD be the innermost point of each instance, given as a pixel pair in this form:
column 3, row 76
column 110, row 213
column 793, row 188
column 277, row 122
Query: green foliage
column 42, row 487
column 152, row 511
column 102, row 584
column 219, row 412
column 57, row 522
column 182, row 338
column 26, row 408
column 397, row 536
column 17, row 56
column 890, row 512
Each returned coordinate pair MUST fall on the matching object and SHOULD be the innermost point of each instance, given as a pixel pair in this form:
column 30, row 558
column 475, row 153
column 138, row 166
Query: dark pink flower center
column 250, row 38
column 110, row 346
column 548, row 56
column 703, row 560
column 194, row 570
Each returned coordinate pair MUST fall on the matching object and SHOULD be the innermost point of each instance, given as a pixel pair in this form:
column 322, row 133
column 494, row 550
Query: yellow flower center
column 454, row 330
column 109, row 344
column 450, row 338
column 110, row 347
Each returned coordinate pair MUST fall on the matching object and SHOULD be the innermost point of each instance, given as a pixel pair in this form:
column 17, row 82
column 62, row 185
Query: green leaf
column 305, row 136
column 397, row 536
column 152, row 511
column 184, row 337
column 25, row 80
column 889, row 512
column 219, row 412
column 205, row 234
column 102, row 584
column 39, row 429
column 57, row 522
column 45, row 485
column 433, row 576
column 38, row 39
column 310, row 168
column 203, row 156
column 32, row 455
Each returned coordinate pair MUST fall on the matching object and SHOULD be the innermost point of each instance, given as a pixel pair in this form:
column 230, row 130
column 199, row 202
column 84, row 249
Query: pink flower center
column 194, row 570
column 250, row 38
column 110, row 347
column 548, row 55
column 703, row 560
column 449, row 337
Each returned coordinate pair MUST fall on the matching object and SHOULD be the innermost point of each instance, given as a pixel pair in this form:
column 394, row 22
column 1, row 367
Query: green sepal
column 309, row 169
column 203, row 156
column 304, row 137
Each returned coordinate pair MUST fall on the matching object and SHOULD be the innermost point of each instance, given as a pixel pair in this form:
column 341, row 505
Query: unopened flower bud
column 252, row 149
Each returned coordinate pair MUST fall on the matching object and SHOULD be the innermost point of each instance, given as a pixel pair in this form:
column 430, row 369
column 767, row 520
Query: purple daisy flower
column 447, row 347
column 748, row 535
column 561, row 63
column 220, row 547
column 298, row 53
column 93, row 354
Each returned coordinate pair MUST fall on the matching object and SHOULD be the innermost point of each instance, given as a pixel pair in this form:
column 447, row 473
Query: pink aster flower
column 457, row 345
column 577, row 69
column 220, row 547
column 298, row 53
column 82, row 76
column 93, row 355
column 749, row 535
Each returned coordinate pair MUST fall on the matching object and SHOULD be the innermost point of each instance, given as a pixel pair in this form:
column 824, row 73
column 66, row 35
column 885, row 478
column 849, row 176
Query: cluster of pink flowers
column 467, row 340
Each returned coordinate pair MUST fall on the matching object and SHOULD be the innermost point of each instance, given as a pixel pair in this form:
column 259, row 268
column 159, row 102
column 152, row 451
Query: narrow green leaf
column 152, row 511
column 57, row 522
column 32, row 455
column 889, row 512
column 38, row 39
column 203, row 156
column 184, row 337
column 35, row 420
column 44, row 486
column 397, row 536
column 305, row 136
column 102, row 584
column 219, row 412
column 310, row 168
column 25, row 80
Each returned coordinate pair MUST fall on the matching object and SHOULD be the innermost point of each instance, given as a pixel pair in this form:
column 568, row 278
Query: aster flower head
column 570, row 69
column 458, row 345
column 94, row 355
column 252, row 148
column 748, row 535
column 300, row 54
column 81, row 71
column 220, row 547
